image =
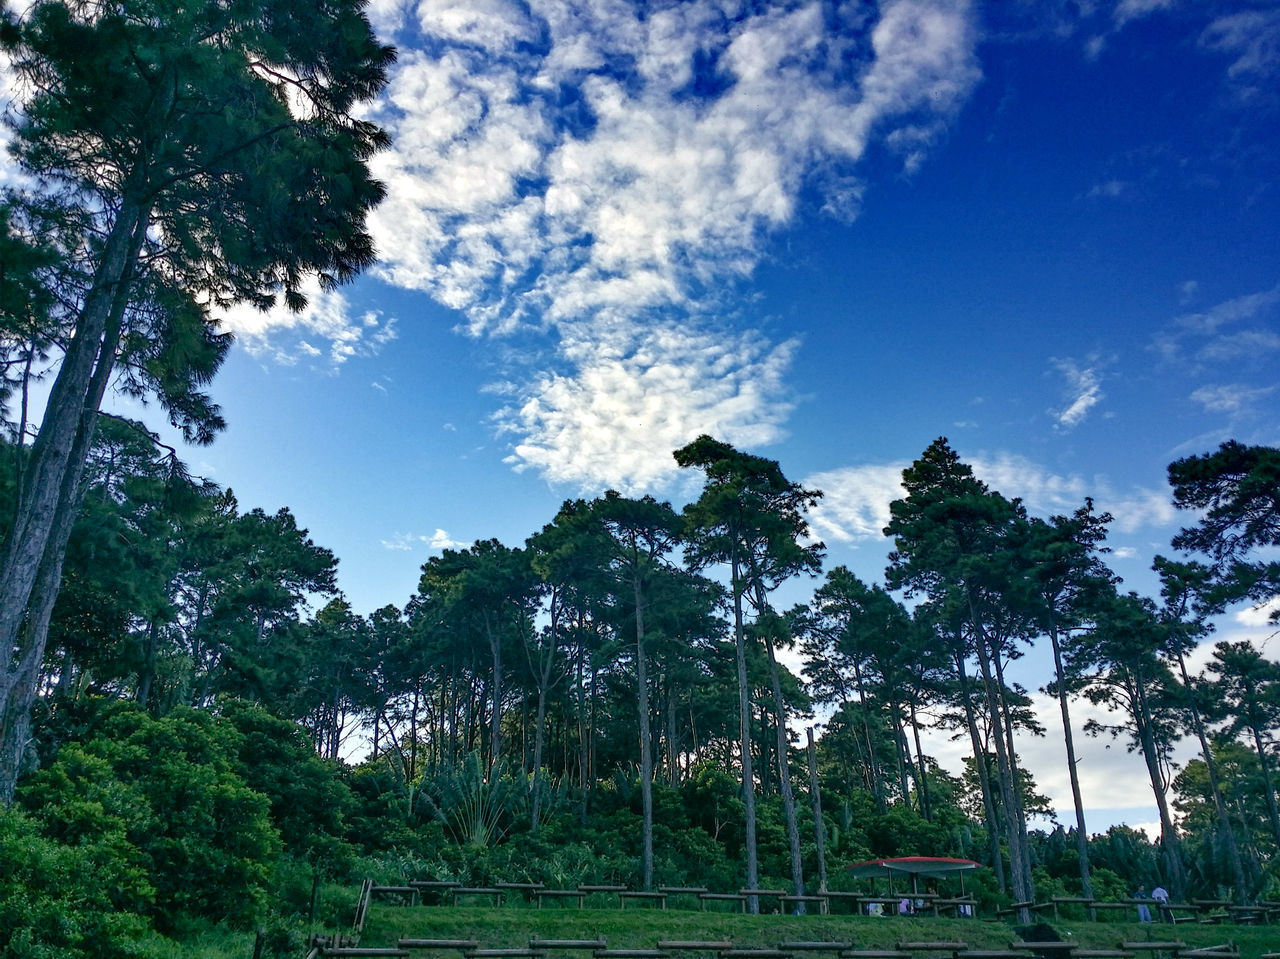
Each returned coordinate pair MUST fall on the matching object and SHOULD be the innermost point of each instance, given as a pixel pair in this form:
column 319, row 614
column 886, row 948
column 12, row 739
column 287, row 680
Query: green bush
column 58, row 900
column 309, row 800
column 164, row 796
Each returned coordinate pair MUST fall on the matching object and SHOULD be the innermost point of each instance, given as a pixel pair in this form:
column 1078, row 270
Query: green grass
column 214, row 942
column 643, row 928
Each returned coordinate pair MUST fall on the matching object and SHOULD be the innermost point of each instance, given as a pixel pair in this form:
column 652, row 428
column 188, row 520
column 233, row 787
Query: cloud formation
column 607, row 175
column 1084, row 392
column 436, row 542
column 1244, row 331
column 855, row 506
column 287, row 337
column 1230, row 398
column 1251, row 38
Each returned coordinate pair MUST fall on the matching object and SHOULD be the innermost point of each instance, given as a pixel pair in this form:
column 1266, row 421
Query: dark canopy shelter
column 913, row 866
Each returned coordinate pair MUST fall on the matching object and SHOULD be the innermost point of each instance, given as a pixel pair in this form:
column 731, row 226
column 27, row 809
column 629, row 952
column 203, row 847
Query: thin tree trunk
column 784, row 775
column 495, row 736
column 673, row 750
column 873, row 761
column 744, row 730
column 1272, row 811
column 1224, row 822
column 819, row 824
column 1016, row 836
column 582, row 732
column 148, row 672
column 1020, row 812
column 923, row 779
column 646, row 753
column 1170, row 842
column 1082, row 835
column 984, row 775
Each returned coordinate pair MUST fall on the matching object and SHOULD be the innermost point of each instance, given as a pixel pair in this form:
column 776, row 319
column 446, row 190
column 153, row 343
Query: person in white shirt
column 1161, row 896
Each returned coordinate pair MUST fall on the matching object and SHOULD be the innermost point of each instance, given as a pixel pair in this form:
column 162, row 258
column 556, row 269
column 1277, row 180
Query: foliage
column 511, row 682
column 59, row 898
column 165, row 792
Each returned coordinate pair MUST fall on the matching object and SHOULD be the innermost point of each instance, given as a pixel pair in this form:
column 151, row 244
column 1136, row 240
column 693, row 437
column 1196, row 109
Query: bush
column 58, row 900
column 163, row 796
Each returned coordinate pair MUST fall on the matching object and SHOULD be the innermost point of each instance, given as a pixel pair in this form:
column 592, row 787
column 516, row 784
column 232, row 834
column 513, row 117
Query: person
column 1144, row 913
column 875, row 909
column 1161, row 897
column 904, row 907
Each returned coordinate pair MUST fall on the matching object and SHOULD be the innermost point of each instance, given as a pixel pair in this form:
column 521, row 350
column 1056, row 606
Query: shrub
column 163, row 794
column 58, row 900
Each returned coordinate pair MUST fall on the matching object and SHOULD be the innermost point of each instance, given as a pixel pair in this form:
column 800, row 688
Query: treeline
column 606, row 702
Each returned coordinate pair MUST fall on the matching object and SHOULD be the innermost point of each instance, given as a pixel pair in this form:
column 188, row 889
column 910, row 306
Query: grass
column 643, row 928
column 214, row 942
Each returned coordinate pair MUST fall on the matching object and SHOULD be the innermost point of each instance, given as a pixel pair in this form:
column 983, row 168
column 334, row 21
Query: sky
column 824, row 232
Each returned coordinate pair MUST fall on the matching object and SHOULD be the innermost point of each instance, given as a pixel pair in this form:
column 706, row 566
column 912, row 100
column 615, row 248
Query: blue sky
column 825, row 232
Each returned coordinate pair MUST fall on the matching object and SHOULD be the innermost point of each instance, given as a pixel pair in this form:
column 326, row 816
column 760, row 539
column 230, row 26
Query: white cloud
column 327, row 316
column 1230, row 398
column 442, row 540
column 1084, row 392
column 1109, row 189
column 1252, row 37
column 1127, row 10
column 1236, row 310
column 856, row 502
column 437, row 541
column 1238, row 329
column 555, row 170
column 1258, row 616
column 1047, row 493
column 637, row 394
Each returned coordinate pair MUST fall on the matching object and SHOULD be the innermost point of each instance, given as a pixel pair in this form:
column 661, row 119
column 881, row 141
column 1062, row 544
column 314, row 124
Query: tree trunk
column 673, row 747
column 819, row 824
column 1082, row 835
column 583, row 759
column 1272, row 811
column 984, row 775
column 922, row 781
column 147, row 674
column 68, row 414
column 784, row 775
column 31, row 566
column 1170, row 843
column 1019, row 809
column 1015, row 833
column 495, row 735
column 873, row 761
column 1224, row 822
column 744, row 729
column 646, row 745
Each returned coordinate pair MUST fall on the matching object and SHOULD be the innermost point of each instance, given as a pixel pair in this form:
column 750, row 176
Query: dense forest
column 606, row 702
column 197, row 728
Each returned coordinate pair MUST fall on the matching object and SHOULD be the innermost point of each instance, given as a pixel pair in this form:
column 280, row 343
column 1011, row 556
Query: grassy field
column 509, row 926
